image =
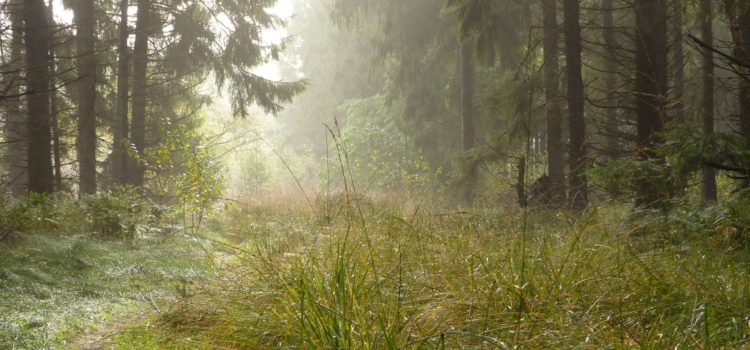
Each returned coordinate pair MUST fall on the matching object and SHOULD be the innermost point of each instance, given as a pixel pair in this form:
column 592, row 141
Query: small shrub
column 117, row 214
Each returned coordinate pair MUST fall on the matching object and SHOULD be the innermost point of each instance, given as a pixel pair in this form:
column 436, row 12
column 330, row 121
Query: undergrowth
column 389, row 278
column 70, row 267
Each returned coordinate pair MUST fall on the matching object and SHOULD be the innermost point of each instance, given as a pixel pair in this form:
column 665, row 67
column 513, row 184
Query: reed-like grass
column 380, row 277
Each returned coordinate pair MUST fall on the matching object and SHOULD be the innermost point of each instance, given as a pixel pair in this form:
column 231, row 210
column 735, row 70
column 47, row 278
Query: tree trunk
column 468, row 113
column 140, row 64
column 523, row 198
column 86, row 64
column 577, row 124
column 610, row 77
column 37, row 44
column 553, row 113
column 708, row 186
column 53, row 109
column 119, row 151
column 679, row 61
column 16, row 128
column 650, row 90
column 744, row 48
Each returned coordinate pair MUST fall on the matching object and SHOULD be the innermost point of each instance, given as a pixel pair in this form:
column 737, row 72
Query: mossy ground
column 56, row 289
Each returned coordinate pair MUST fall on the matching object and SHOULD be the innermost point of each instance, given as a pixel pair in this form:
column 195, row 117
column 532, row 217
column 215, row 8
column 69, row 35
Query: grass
column 391, row 278
column 54, row 289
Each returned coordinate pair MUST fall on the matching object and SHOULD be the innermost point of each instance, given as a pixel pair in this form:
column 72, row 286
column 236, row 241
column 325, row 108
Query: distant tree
column 555, row 149
column 708, row 185
column 577, row 123
column 678, row 60
column 468, row 112
column 140, row 67
column 121, row 126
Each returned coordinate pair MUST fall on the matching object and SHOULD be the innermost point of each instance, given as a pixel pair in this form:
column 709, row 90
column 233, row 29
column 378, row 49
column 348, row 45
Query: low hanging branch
column 728, row 57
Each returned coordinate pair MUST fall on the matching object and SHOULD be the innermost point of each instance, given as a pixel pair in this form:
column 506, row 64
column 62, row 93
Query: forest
column 374, row 174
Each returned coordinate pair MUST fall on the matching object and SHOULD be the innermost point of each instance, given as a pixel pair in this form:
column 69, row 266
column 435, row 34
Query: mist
column 368, row 174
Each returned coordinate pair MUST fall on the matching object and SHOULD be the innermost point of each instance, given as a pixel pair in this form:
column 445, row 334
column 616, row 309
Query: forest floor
column 389, row 277
column 385, row 277
column 54, row 288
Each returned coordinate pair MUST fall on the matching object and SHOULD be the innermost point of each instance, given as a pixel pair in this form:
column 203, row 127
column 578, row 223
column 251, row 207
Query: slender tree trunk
column 679, row 61
column 37, row 81
column 523, row 198
column 553, row 113
column 86, row 64
column 610, row 77
column 468, row 112
column 16, row 127
column 708, row 186
column 140, row 64
column 119, row 152
column 56, row 152
column 577, row 124
column 650, row 89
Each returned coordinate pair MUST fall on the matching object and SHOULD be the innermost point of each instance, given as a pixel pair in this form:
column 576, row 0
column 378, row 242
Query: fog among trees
column 369, row 174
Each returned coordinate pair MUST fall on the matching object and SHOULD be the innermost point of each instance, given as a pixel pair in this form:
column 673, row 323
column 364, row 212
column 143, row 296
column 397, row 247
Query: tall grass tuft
column 450, row 280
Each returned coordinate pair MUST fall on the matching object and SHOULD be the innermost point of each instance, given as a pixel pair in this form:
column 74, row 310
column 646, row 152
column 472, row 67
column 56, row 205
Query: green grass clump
column 390, row 279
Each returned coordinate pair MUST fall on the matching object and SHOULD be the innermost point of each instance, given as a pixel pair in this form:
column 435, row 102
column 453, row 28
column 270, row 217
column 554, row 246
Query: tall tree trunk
column 650, row 89
column 16, row 124
column 708, row 186
column 468, row 112
column 86, row 64
column 553, row 113
column 140, row 64
column 744, row 28
column 119, row 152
column 37, row 82
column 53, row 109
column 577, row 123
column 610, row 77
column 739, row 18
column 679, row 61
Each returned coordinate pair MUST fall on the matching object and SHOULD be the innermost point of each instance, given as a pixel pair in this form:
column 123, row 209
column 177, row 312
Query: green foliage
column 34, row 212
column 187, row 169
column 119, row 214
column 684, row 152
column 376, row 152
column 627, row 174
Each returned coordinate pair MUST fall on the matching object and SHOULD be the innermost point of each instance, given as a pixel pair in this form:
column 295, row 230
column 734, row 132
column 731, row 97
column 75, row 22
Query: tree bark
column 650, row 90
column 744, row 27
column 86, row 65
column 679, row 61
column 16, row 128
column 119, row 150
column 37, row 33
column 610, row 77
column 553, row 113
column 708, row 185
column 739, row 18
column 53, row 108
column 577, row 158
column 468, row 113
column 140, row 65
